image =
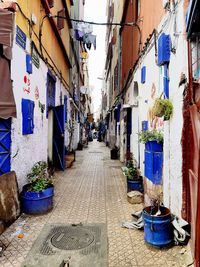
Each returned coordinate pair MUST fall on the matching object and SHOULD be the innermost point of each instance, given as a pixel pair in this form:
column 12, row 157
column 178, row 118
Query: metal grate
column 72, row 238
column 75, row 245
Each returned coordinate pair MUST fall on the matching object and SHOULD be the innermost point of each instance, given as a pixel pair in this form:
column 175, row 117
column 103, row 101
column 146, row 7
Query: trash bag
column 181, row 231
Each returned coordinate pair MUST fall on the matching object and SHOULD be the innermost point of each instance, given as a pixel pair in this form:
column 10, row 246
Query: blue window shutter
column 65, row 103
column 32, row 105
column 143, row 74
column 27, row 116
column 164, row 49
column 29, row 68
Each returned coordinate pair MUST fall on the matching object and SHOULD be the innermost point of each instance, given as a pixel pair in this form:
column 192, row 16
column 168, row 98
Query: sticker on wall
column 20, row 38
column 27, row 85
column 37, row 94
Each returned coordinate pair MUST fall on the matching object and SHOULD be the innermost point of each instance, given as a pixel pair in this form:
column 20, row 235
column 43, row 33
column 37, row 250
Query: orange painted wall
column 129, row 43
column 49, row 39
column 151, row 13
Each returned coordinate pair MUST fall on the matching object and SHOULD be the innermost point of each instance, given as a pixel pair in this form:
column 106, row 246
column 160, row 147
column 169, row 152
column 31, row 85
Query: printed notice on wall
column 20, row 38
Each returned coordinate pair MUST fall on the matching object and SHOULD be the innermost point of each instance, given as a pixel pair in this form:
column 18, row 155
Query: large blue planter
column 136, row 185
column 158, row 230
column 154, row 146
column 37, row 202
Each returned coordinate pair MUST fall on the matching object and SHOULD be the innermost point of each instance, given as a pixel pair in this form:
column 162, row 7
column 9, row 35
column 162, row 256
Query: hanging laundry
column 79, row 35
column 86, row 28
column 89, row 40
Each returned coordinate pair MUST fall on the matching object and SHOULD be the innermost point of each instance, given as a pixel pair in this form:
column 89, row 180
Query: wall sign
column 20, row 38
column 35, row 57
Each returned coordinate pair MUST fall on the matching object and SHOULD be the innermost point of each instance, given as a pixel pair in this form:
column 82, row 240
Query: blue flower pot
column 36, row 202
column 154, row 146
column 135, row 185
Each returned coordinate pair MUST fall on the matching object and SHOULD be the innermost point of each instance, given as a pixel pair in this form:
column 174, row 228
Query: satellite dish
column 84, row 90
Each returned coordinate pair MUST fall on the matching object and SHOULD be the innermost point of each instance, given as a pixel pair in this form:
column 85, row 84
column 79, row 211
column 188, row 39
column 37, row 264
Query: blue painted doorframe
column 129, row 131
column 5, row 145
column 59, row 137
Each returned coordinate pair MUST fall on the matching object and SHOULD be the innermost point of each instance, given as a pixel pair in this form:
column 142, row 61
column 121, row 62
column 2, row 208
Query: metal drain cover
column 71, row 238
column 79, row 245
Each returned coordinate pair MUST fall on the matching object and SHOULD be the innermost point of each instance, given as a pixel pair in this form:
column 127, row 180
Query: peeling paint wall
column 28, row 149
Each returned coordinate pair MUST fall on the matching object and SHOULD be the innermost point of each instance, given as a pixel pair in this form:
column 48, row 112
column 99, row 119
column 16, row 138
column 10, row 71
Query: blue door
column 5, row 144
column 59, row 137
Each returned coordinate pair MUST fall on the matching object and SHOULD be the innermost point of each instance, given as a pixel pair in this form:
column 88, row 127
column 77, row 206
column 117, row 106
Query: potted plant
column 134, row 179
column 37, row 195
column 163, row 107
column 152, row 139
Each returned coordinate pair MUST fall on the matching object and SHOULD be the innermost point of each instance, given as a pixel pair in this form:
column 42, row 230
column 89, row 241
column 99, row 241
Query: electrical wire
column 130, row 24
column 43, row 48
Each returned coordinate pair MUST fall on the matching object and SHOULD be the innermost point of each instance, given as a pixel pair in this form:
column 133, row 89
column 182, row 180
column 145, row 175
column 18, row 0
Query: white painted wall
column 172, row 171
column 26, row 150
column 173, row 129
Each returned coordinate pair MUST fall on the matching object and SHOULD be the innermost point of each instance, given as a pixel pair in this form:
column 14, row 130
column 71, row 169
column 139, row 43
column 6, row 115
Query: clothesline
column 106, row 23
column 132, row 24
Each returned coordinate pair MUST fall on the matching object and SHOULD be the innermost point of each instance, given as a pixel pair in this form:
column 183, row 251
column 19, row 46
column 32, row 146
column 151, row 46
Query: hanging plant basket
column 162, row 107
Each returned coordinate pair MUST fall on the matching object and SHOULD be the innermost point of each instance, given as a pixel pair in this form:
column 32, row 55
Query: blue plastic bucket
column 37, row 202
column 157, row 229
column 135, row 185
column 154, row 146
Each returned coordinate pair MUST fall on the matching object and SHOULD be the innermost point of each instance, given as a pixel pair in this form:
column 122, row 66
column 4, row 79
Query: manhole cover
column 68, row 238
column 81, row 245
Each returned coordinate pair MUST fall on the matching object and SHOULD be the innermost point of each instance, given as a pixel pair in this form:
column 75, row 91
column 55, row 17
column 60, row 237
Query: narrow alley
column 93, row 190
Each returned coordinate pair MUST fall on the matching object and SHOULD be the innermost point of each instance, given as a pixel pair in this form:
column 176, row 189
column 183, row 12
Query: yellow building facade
column 37, row 20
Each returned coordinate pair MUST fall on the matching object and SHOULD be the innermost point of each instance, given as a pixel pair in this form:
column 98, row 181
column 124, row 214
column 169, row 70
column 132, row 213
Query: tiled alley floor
column 92, row 191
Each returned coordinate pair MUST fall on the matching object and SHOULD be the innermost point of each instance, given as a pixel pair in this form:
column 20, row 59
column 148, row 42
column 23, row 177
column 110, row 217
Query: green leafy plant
column 39, row 178
column 163, row 107
column 131, row 171
column 150, row 135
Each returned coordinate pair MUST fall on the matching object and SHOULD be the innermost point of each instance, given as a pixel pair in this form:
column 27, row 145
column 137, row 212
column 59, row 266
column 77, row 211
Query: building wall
column 130, row 36
column 147, row 15
column 26, row 150
column 152, row 88
column 150, row 16
column 49, row 39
